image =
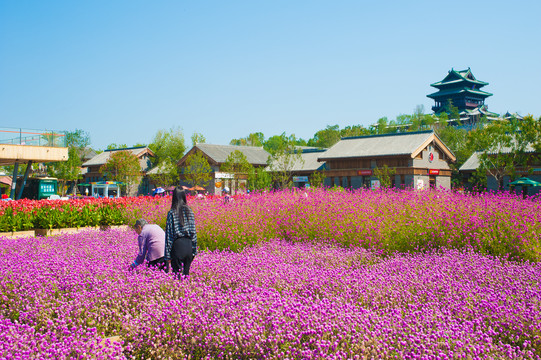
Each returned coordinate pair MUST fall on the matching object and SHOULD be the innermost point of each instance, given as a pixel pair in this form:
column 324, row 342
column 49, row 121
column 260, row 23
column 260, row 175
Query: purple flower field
column 71, row 296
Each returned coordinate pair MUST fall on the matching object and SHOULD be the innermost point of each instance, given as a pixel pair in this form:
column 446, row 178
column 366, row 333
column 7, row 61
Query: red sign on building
column 434, row 172
column 364, row 172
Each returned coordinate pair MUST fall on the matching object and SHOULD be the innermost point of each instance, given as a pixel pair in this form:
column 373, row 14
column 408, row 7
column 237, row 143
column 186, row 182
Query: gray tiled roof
column 377, row 145
column 102, row 158
column 219, row 153
column 474, row 162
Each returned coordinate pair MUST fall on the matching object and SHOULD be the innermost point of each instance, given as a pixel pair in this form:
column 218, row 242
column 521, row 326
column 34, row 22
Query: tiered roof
column 459, row 82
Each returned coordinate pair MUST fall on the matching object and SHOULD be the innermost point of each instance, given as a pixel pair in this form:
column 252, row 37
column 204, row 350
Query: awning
column 6, row 180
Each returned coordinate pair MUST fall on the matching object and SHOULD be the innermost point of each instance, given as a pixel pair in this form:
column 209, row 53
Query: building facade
column 419, row 159
column 532, row 170
column 144, row 154
column 216, row 156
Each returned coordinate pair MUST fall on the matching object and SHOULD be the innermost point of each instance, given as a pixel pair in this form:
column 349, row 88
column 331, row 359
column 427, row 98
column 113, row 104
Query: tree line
column 503, row 146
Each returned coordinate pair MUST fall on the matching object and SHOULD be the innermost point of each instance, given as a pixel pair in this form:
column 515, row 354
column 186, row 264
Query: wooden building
column 143, row 153
column 420, row 160
column 305, row 166
column 532, row 170
column 216, row 156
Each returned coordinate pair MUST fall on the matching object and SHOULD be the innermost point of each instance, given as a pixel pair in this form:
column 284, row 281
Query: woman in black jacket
column 180, row 235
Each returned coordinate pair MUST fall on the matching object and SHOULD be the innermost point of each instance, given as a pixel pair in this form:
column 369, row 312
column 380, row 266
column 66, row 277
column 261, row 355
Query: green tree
column 197, row 170
column 237, row 164
column 115, row 146
column 317, row 179
column 385, row 174
column 253, row 139
column 168, row 144
column 381, row 127
column 165, row 173
column 355, row 130
column 505, row 148
column 122, row 166
column 279, row 142
column 67, row 171
column 198, row 138
column 283, row 159
column 326, row 138
column 259, row 179
column 70, row 171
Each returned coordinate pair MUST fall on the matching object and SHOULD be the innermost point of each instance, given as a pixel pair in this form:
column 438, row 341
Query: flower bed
column 390, row 221
column 26, row 214
column 61, row 297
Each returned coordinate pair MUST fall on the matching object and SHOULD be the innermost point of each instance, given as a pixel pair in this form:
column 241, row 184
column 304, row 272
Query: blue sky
column 121, row 70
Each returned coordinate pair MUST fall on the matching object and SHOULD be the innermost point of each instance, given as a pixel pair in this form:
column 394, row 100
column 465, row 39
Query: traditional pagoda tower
column 462, row 89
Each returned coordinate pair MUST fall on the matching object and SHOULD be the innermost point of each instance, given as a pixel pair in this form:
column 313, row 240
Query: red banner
column 434, row 172
column 364, row 172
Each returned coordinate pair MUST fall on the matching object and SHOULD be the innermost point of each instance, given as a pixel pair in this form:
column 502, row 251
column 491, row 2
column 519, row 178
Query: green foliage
column 236, row 164
column 14, row 220
column 385, row 174
column 354, row 130
column 253, row 139
column 198, row 138
column 165, row 173
column 78, row 138
column 115, row 146
column 122, row 166
column 168, row 144
column 452, row 111
column 197, row 169
column 504, row 148
column 326, row 138
column 67, row 171
column 317, row 179
column 259, row 179
column 283, row 159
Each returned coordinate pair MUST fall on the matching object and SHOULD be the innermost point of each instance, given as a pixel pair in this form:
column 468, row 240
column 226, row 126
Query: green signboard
column 47, row 188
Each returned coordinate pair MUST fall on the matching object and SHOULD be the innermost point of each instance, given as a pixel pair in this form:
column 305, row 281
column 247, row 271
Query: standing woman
column 180, row 235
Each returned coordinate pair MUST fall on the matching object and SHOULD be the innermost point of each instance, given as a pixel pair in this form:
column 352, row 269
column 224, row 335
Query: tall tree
column 198, row 138
column 197, row 170
column 283, row 159
column 504, row 149
column 122, row 166
column 354, row 130
column 317, row 178
column 115, row 146
column 237, row 164
column 326, row 138
column 68, row 171
column 385, row 175
column 259, row 179
column 165, row 173
column 168, row 144
column 253, row 139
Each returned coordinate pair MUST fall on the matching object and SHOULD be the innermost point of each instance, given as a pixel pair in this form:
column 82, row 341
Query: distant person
column 151, row 241
column 227, row 197
column 180, row 235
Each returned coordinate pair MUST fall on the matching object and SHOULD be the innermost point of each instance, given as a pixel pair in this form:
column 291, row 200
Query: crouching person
column 151, row 242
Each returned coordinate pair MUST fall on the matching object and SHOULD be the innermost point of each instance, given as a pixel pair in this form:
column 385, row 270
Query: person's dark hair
column 179, row 204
